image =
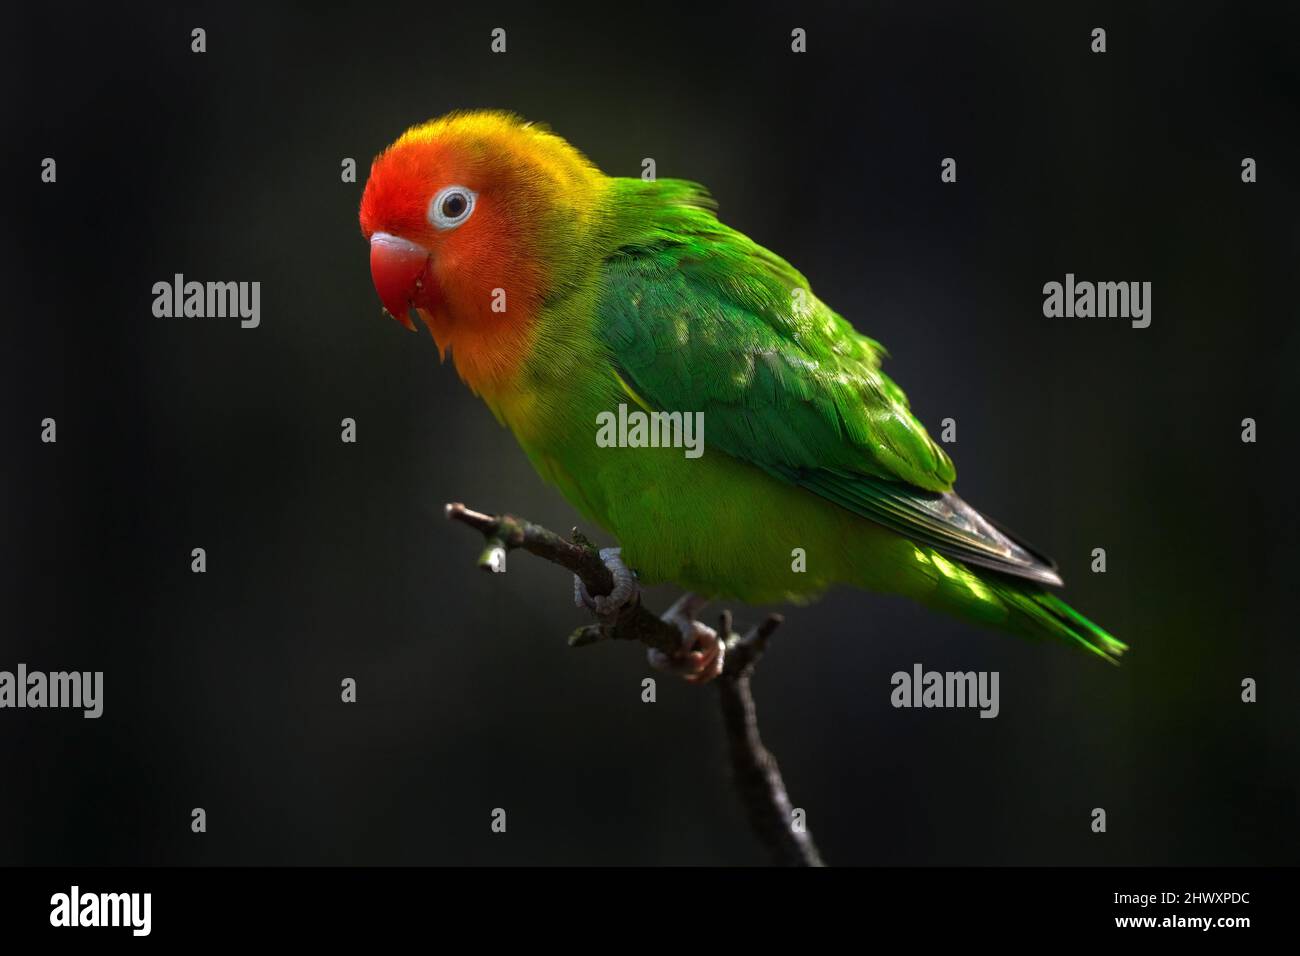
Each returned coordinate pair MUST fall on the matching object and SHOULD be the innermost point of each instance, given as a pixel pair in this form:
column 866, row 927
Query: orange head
column 473, row 220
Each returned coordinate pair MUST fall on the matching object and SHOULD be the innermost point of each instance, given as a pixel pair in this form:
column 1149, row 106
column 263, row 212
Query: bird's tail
column 1036, row 612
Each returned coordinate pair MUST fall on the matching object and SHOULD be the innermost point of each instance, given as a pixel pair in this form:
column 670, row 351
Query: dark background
column 328, row 560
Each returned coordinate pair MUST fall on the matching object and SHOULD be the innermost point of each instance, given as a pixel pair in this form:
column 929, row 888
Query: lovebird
column 569, row 299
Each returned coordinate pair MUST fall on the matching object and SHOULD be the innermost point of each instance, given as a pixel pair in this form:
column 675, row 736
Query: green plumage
column 808, row 444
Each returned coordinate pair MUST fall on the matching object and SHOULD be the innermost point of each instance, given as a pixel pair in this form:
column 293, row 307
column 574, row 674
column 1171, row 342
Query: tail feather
column 1046, row 615
column 1008, row 603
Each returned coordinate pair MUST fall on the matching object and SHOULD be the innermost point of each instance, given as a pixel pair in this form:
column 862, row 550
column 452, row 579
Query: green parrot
column 569, row 299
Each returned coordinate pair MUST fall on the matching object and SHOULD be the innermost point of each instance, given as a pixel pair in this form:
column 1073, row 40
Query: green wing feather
column 700, row 318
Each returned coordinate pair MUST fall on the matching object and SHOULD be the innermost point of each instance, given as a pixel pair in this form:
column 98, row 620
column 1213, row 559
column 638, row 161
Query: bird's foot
column 699, row 659
column 607, row 606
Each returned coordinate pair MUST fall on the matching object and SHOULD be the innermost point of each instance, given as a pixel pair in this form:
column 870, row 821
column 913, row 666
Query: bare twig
column 757, row 776
column 506, row 532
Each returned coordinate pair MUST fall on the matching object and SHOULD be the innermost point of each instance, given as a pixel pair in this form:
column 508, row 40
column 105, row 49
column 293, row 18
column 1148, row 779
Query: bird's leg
column 700, row 657
column 607, row 606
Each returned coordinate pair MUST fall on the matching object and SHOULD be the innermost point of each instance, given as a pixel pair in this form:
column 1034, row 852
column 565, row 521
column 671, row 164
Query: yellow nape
column 534, row 143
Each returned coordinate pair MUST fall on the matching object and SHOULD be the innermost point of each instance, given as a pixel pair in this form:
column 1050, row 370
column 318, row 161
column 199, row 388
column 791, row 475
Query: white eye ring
column 451, row 206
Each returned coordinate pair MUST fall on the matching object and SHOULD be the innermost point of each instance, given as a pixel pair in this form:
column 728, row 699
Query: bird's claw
column 700, row 657
column 606, row 606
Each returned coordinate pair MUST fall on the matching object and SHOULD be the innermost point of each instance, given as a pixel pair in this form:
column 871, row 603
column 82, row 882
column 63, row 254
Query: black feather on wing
column 940, row 520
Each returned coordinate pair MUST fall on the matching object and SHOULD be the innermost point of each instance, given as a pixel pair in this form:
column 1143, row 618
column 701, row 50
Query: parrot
column 564, row 295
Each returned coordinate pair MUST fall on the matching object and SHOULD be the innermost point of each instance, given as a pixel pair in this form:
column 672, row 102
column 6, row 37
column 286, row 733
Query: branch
column 757, row 776
column 506, row 532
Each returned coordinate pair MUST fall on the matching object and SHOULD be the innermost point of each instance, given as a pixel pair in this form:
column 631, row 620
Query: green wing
column 699, row 318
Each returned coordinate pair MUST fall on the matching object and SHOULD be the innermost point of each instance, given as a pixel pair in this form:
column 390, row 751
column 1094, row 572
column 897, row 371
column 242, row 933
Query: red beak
column 400, row 270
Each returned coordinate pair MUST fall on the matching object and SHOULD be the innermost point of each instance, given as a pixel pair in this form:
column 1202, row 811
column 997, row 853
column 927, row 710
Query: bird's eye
column 451, row 207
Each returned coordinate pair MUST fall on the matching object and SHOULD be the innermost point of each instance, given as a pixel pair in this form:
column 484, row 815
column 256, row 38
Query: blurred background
column 328, row 560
